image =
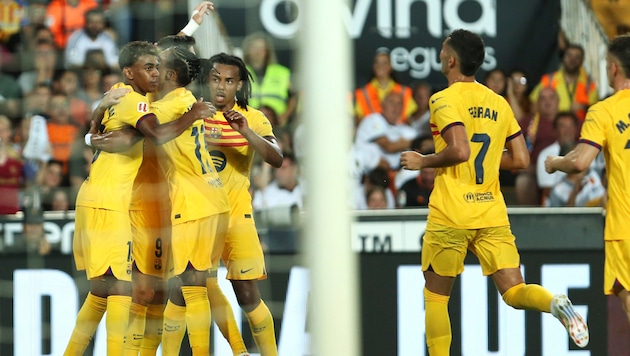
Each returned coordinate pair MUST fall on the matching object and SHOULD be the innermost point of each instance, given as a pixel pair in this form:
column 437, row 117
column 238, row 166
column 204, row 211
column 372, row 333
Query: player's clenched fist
column 411, row 160
column 236, row 120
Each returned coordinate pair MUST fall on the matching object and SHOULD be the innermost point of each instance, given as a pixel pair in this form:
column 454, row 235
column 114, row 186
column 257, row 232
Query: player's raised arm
column 196, row 19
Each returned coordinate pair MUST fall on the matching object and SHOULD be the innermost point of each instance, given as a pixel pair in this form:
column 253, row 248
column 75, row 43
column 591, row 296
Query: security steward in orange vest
column 368, row 98
column 575, row 88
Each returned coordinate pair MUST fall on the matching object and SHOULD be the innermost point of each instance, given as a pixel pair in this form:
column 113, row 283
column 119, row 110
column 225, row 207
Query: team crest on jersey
column 143, row 107
column 215, row 132
column 157, row 264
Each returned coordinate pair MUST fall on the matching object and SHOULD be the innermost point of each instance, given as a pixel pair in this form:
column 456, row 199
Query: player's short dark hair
column 185, row 63
column 469, row 48
column 184, row 42
column 132, row 51
column 243, row 95
column 619, row 48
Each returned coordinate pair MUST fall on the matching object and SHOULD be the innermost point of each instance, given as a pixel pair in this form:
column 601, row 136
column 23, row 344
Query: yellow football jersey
column 468, row 195
column 607, row 127
column 111, row 178
column 150, row 189
column 194, row 186
column 232, row 156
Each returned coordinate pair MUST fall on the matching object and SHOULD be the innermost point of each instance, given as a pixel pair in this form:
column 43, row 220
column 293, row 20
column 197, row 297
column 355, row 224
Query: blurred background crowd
column 57, row 58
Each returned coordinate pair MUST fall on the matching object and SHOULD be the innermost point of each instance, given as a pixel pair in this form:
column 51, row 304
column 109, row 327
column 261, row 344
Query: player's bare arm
column 158, row 133
column 267, row 147
column 577, row 160
column 516, row 155
column 457, row 151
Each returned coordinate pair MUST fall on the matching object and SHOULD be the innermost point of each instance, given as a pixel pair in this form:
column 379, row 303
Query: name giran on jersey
column 479, row 112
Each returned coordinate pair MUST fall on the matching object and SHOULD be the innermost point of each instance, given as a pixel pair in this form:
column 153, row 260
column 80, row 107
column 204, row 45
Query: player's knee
column 510, row 297
column 143, row 295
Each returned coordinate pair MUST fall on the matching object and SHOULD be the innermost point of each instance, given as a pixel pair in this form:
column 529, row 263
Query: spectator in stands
column 376, row 177
column 539, row 133
column 376, row 198
column 28, row 34
column 61, row 131
column 10, row 170
column 66, row 16
column 10, row 95
column 271, row 84
column 39, row 66
column 51, row 178
column 577, row 189
column 419, row 120
column 496, row 80
column 368, row 98
column 59, row 200
column 91, row 36
column 517, row 94
column 381, row 129
column 565, row 125
column 36, row 103
column 7, row 143
column 67, row 83
column 91, row 89
column 12, row 16
column 576, row 90
column 285, row 190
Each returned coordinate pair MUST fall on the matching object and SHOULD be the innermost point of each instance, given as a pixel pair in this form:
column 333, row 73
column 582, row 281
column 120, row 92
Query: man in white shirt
column 91, row 37
column 381, row 129
column 566, row 126
column 285, row 191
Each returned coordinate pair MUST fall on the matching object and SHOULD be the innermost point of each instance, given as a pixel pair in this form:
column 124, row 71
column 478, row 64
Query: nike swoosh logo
column 246, row 270
column 436, row 99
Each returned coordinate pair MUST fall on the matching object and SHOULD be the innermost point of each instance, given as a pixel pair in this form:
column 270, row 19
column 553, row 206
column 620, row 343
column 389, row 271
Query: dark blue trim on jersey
column 510, row 138
column 144, row 117
column 594, row 144
column 459, row 123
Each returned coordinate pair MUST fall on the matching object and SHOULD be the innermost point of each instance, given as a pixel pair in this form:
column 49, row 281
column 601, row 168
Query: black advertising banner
column 518, row 34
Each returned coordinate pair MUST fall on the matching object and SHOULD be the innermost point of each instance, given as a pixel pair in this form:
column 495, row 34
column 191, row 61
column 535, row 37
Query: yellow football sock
column 135, row 331
column 529, row 296
column 437, row 323
column 174, row 329
column 88, row 319
column 116, row 321
column 197, row 319
column 152, row 330
column 261, row 324
column 224, row 316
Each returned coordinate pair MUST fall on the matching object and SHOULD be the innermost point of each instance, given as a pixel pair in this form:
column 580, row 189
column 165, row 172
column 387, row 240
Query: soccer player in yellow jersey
column 234, row 134
column 102, row 240
column 471, row 126
column 607, row 128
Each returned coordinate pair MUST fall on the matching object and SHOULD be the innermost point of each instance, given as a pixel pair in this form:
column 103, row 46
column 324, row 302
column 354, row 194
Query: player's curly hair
column 130, row 52
column 186, row 64
column 243, row 95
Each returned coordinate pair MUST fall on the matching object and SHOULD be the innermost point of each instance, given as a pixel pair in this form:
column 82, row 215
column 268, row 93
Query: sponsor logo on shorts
column 246, row 270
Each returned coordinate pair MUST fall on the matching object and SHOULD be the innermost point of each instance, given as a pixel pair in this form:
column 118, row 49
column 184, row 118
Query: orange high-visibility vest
column 584, row 92
column 368, row 99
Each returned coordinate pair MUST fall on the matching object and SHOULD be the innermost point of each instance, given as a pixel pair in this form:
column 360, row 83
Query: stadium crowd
column 59, row 57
